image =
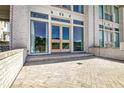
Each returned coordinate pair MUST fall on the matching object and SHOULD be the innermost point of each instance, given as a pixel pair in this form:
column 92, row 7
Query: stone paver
column 87, row 73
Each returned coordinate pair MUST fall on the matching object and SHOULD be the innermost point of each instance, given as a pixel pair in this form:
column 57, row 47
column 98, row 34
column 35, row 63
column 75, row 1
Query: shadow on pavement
column 57, row 61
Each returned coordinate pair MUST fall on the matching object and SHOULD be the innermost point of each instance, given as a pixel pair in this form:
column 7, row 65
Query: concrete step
column 56, row 56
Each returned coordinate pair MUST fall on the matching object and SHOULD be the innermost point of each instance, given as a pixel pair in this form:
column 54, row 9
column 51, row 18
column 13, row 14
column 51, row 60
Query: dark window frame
column 60, row 20
column 78, row 22
column 39, row 15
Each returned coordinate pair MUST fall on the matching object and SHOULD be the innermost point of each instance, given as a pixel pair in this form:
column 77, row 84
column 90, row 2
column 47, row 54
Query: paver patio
column 86, row 72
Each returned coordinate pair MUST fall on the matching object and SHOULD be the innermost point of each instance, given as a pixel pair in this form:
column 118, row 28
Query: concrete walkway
column 86, row 72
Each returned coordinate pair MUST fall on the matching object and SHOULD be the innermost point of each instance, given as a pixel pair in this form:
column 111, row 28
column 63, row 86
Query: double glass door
column 60, row 41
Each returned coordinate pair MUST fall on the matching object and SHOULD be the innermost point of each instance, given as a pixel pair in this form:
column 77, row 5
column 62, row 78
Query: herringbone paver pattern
column 87, row 73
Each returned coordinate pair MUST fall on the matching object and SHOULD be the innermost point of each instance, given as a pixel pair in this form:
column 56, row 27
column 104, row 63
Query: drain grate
column 79, row 63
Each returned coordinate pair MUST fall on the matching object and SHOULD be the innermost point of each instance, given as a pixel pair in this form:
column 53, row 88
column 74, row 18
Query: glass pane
column 75, row 8
column 108, row 17
column 108, row 9
column 65, row 20
column 39, row 15
column 78, row 8
column 39, row 31
column 105, row 38
column 111, row 38
column 5, row 35
column 116, row 13
column 65, row 33
column 117, row 40
column 60, row 20
column 116, row 29
column 101, row 26
column 65, row 45
column 78, row 38
column 101, row 11
column 78, row 22
column 56, row 32
column 55, row 45
column 101, row 38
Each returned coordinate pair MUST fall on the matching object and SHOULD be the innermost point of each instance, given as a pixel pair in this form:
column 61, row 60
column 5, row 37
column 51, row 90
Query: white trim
column 39, row 19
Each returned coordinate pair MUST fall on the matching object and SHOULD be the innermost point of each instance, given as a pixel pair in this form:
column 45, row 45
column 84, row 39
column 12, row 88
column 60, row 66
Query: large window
column 101, row 11
column 108, row 9
column 78, row 38
column 39, row 36
column 105, row 12
column 116, row 40
column 116, row 13
column 108, row 12
column 60, row 38
column 101, row 38
column 55, row 32
column 107, row 39
column 78, row 8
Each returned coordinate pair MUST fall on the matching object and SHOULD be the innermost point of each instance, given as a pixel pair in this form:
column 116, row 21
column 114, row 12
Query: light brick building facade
column 45, row 29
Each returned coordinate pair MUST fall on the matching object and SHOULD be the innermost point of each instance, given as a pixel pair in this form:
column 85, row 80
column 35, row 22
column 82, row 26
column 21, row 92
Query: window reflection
column 65, row 45
column 55, row 32
column 78, row 38
column 116, row 40
column 78, row 22
column 39, row 15
column 78, row 8
column 65, row 33
column 101, row 38
column 116, row 14
column 39, row 31
column 55, row 45
column 101, row 11
column 60, row 20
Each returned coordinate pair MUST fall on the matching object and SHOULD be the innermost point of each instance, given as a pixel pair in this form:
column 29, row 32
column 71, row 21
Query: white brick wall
column 20, row 27
column 21, row 23
column 11, row 63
